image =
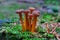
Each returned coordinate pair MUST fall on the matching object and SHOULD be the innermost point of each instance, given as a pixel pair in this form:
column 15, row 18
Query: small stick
column 48, row 30
column 57, row 35
column 53, row 29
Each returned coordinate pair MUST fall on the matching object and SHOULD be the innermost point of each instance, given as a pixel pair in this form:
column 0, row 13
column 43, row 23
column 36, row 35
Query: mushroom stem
column 30, row 24
column 30, row 21
column 23, row 28
column 20, row 15
column 34, row 24
column 25, row 24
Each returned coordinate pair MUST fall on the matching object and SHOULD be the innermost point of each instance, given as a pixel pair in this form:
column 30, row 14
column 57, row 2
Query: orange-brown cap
column 19, row 11
column 31, row 8
column 26, row 11
column 36, row 13
column 30, row 15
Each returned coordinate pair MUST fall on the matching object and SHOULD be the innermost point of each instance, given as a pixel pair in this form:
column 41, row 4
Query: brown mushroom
column 30, row 21
column 20, row 15
column 30, row 18
column 35, row 15
column 31, row 9
column 26, row 20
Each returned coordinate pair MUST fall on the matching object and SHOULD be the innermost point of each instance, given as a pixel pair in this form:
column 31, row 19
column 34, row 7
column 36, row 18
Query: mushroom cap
column 31, row 8
column 26, row 11
column 30, row 15
column 36, row 13
column 19, row 11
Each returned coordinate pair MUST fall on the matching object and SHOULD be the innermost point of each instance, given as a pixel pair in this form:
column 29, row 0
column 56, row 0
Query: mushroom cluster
column 30, row 18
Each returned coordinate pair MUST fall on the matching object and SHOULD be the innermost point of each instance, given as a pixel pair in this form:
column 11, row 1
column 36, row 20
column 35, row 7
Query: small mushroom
column 30, row 16
column 30, row 21
column 35, row 15
column 26, row 20
column 20, row 15
column 31, row 9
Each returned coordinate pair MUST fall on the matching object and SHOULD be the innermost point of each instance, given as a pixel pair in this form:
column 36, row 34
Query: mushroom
column 20, row 15
column 35, row 15
column 26, row 21
column 30, row 16
column 30, row 21
column 31, row 9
